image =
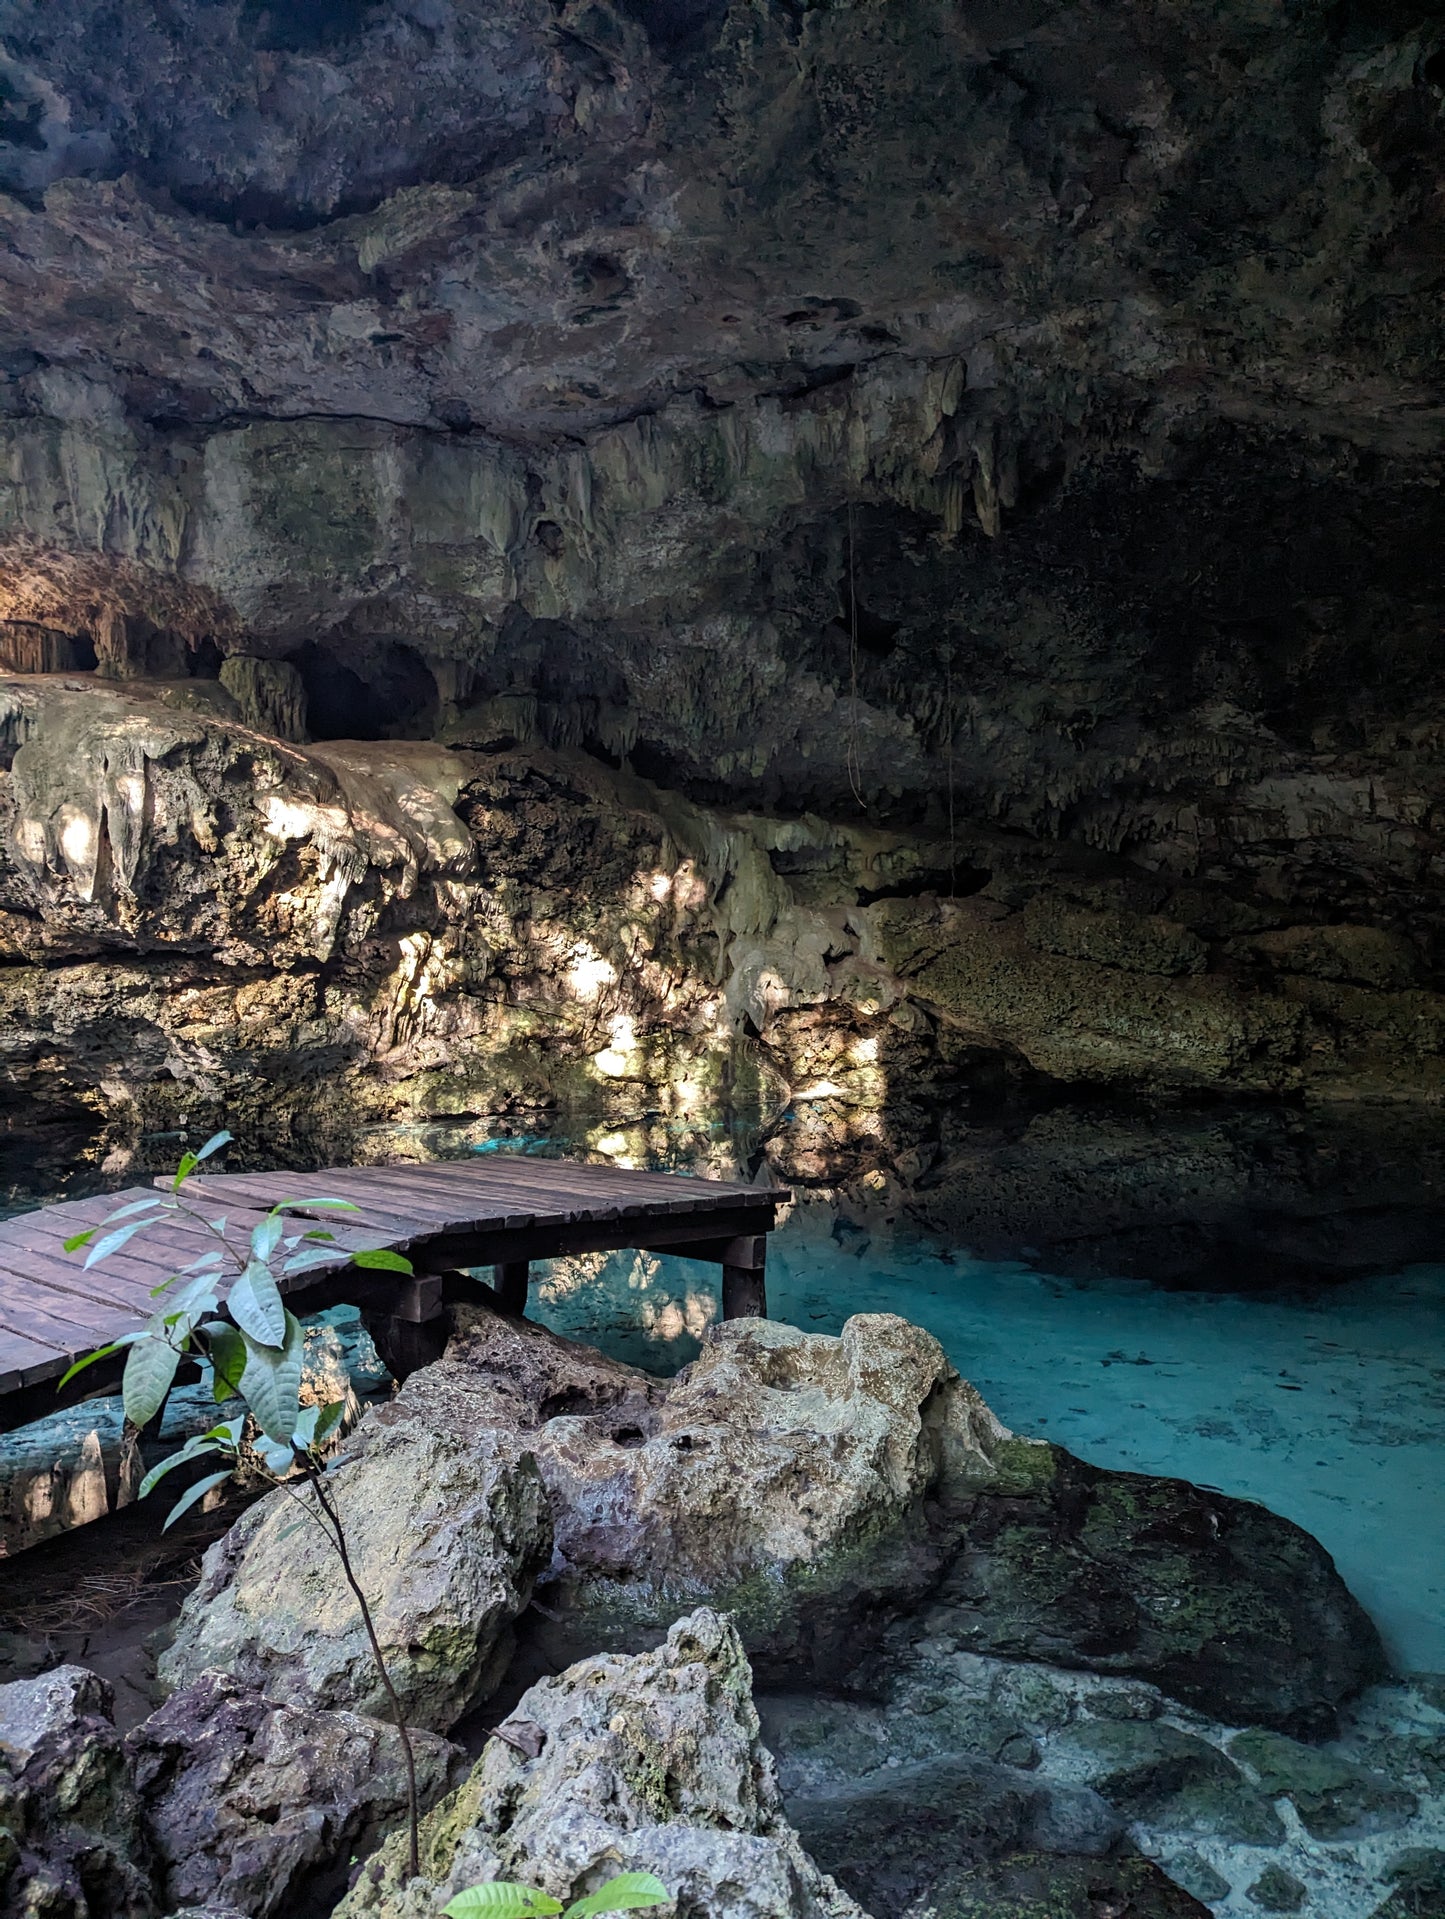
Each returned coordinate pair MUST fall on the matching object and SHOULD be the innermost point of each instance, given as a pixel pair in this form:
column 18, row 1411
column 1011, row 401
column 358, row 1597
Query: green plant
column 502, row 1899
column 253, row 1354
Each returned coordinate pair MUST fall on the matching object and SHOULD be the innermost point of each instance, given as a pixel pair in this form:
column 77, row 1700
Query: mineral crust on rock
column 648, row 1763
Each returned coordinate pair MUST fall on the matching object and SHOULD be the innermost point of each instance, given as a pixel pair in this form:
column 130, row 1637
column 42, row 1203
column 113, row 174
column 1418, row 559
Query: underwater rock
column 1028, row 1885
column 800, row 1481
column 1334, row 1799
column 446, row 1530
column 649, row 1763
column 247, row 1801
column 1164, row 1777
column 70, row 1830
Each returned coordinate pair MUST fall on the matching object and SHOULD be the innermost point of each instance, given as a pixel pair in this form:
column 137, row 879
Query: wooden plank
column 22, row 1360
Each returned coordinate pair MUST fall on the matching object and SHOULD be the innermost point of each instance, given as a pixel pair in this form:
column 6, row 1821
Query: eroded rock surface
column 72, row 1844
column 447, row 1532
column 806, row 1484
column 649, row 1763
column 820, row 1487
column 247, row 1803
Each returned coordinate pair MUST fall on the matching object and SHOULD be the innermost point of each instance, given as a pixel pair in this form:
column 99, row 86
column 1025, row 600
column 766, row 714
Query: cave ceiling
column 816, row 404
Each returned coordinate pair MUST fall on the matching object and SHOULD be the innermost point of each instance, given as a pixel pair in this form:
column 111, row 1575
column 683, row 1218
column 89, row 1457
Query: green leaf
column 101, row 1352
column 228, row 1432
column 197, row 1295
column 330, row 1418
column 192, row 1494
column 149, row 1370
column 213, row 1145
column 226, row 1350
column 381, row 1261
column 265, row 1238
column 501, row 1899
column 192, row 1449
column 136, row 1206
column 305, row 1433
column 279, row 1459
column 320, row 1232
column 305, row 1262
column 77, row 1240
column 112, row 1243
column 255, row 1305
column 272, row 1380
column 188, row 1165
column 628, row 1892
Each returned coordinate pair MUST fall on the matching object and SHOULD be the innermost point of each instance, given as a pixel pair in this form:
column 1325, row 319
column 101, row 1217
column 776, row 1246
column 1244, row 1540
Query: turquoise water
column 1329, row 1410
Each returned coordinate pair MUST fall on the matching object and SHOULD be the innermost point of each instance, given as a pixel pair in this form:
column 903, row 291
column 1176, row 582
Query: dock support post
column 510, row 1279
column 408, row 1323
column 744, row 1278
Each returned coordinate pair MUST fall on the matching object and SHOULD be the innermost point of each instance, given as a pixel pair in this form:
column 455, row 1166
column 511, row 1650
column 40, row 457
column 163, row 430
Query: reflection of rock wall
column 198, row 921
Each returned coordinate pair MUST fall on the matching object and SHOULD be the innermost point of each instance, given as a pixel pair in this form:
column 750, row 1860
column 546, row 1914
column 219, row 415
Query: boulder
column 1223, row 1604
column 648, row 1763
column 246, row 1803
column 820, row 1487
column 70, row 1833
column 809, row 1485
column 447, row 1531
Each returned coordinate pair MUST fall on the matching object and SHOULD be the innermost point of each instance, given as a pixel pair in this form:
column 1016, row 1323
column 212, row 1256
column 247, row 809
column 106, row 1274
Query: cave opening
column 388, row 693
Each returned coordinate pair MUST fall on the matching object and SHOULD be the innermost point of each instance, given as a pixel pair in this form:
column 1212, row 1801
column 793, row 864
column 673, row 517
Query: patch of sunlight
column 589, row 973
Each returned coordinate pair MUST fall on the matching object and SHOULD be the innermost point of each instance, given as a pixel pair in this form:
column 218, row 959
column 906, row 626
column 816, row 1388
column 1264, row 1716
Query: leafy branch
column 253, row 1353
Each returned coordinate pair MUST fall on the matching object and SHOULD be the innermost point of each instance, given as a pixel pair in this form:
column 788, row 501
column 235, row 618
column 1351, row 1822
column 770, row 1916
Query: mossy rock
column 1046, row 1886
column 1334, row 1799
column 1217, row 1601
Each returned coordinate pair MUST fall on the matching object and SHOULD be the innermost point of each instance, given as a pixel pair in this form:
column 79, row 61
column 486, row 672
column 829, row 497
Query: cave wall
column 962, row 481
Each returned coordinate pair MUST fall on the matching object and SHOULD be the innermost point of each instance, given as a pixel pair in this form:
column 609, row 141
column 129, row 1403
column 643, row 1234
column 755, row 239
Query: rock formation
column 932, row 509
column 244, row 1801
column 446, row 1530
column 817, row 1488
column 651, row 1763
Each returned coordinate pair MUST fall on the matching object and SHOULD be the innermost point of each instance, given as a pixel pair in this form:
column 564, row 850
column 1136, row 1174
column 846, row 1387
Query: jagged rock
column 819, row 1487
column 648, row 1763
column 447, row 1531
column 76, row 1848
column 799, row 1481
column 1334, row 1799
column 247, row 1803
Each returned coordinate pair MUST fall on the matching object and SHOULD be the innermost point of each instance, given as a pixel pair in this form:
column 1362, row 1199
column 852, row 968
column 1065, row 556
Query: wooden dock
column 446, row 1216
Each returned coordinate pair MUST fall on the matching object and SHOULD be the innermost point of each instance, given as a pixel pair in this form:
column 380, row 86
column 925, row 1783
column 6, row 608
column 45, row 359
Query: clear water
column 1328, row 1409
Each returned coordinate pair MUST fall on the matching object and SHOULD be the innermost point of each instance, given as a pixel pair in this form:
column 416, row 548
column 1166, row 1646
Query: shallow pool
column 1329, row 1410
